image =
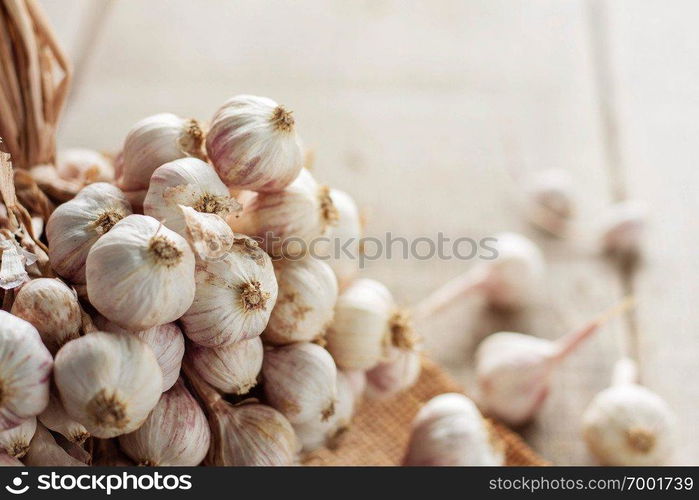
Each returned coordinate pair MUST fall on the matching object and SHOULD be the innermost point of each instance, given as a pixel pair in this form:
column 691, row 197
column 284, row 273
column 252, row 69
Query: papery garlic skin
column 189, row 182
column 292, row 222
column 450, row 431
column 52, row 308
column 8, row 461
column 16, row 441
column 77, row 224
column 154, row 141
column 84, row 166
column 345, row 233
column 300, row 381
column 549, row 201
column 176, row 433
column 109, row 382
column 232, row 369
column 305, row 301
column 366, row 322
column 166, row 341
column 234, row 297
column 45, row 452
column 623, row 228
column 55, row 418
column 25, row 371
column 140, row 274
column 252, row 143
column 397, row 373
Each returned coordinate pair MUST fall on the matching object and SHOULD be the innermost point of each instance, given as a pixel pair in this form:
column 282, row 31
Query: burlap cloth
column 380, row 430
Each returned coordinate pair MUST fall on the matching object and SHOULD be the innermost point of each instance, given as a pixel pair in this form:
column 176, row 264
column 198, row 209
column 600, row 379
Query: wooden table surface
column 426, row 112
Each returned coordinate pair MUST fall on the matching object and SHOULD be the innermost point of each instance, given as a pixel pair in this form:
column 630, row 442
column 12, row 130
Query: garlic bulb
column 109, row 382
column 76, row 225
column 628, row 424
column 623, row 228
column 232, row 368
column 305, row 301
column 25, row 370
column 55, row 418
column 549, row 201
column 73, row 449
column 15, row 441
column 175, row 433
column 317, row 433
column 358, row 381
column 84, row 166
column 513, row 370
column 397, row 373
column 166, row 341
column 140, row 274
column 52, row 308
column 154, row 141
column 8, row 461
column 189, row 182
column 300, row 381
column 252, row 143
column 292, row 222
column 366, row 323
column 45, row 452
column 209, row 235
column 450, row 431
column 344, row 237
column 234, row 296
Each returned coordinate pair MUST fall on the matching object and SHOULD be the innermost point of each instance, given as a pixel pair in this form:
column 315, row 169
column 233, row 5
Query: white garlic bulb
column 622, row 229
column 357, row 381
column 234, row 296
column 25, row 371
column 513, row 370
column 366, row 323
column 109, row 382
column 186, row 182
column 55, row 418
column 317, row 433
column 305, row 301
column 232, row 368
column 549, row 201
column 15, row 441
column 84, row 166
column 77, row 224
column 52, row 308
column 166, row 341
column 292, row 222
column 344, row 237
column 252, row 143
column 450, row 431
column 628, row 424
column 154, row 141
column 175, row 433
column 45, row 452
column 209, row 235
column 140, row 274
column 397, row 373
column 300, row 381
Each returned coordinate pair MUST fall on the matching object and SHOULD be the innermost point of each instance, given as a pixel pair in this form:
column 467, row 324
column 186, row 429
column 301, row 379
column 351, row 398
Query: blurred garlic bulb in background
column 140, row 274
column 232, row 368
column 15, row 441
column 45, row 452
column 367, row 322
column 166, row 341
column 628, row 424
column 252, row 143
column 109, row 382
column 357, row 381
column 300, row 381
column 189, row 182
column 292, row 222
column 513, row 370
column 549, row 201
column 450, row 431
column 175, row 433
column 84, row 166
column 154, row 141
column 76, row 225
column 305, row 301
column 52, row 308
column 398, row 372
column 56, row 419
column 345, row 233
column 623, row 228
column 25, row 371
column 234, row 296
